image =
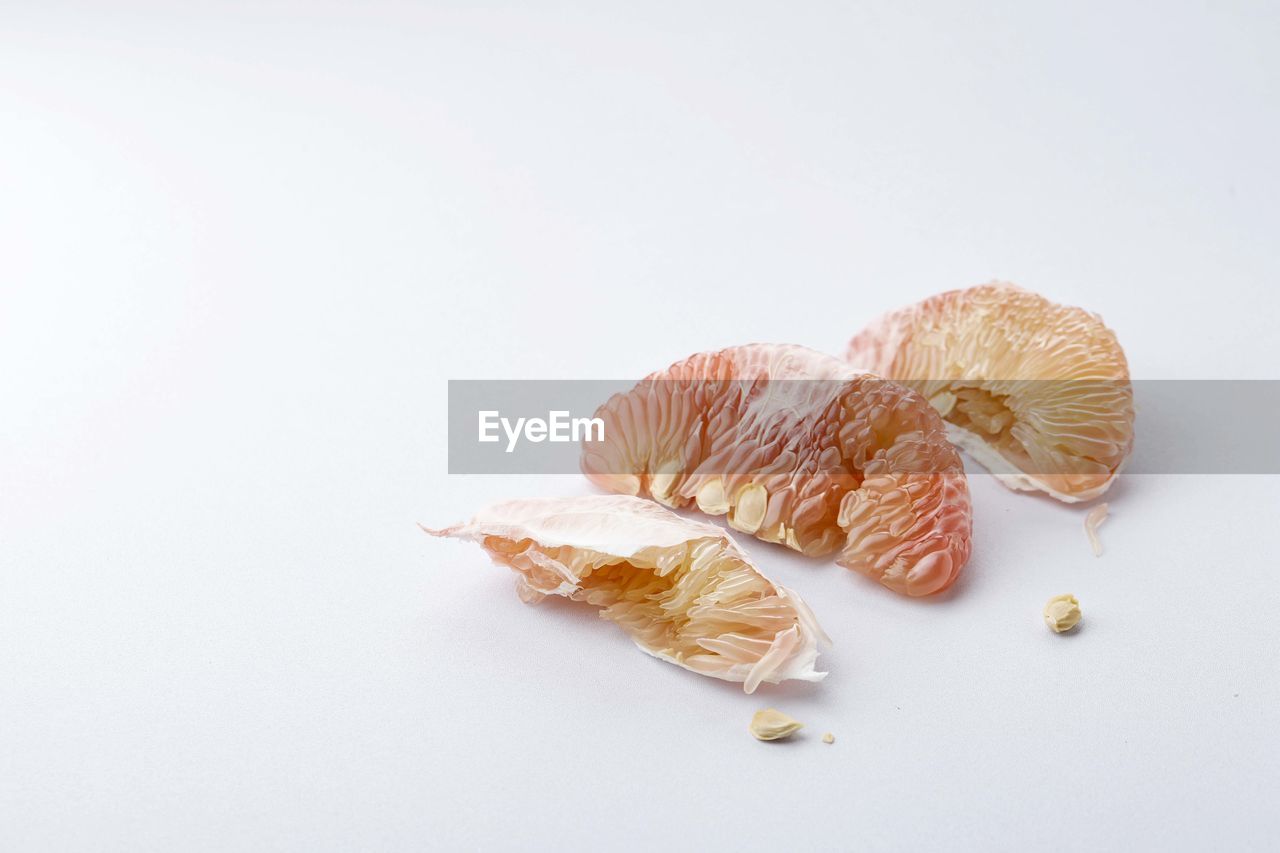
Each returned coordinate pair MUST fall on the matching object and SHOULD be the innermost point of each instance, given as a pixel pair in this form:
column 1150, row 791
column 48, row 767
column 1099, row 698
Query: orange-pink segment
column 794, row 447
column 1039, row 393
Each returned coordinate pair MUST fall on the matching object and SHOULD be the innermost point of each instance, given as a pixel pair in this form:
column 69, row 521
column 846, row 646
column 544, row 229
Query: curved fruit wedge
column 795, row 447
column 681, row 589
column 1037, row 392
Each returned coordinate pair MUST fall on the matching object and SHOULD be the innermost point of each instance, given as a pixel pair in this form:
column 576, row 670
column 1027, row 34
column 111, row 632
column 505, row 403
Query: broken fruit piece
column 795, row 447
column 1092, row 522
column 681, row 589
column 773, row 725
column 1039, row 393
column 1062, row 613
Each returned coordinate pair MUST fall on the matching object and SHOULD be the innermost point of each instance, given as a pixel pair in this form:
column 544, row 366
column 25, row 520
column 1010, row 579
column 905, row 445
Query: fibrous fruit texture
column 1092, row 522
column 681, row 589
column 795, row 447
column 1039, row 393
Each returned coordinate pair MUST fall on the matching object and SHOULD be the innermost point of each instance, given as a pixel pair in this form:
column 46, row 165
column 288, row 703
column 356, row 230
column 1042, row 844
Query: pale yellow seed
column 662, row 482
column 1062, row 613
column 943, row 402
column 711, row 499
column 749, row 513
column 828, row 738
column 773, row 725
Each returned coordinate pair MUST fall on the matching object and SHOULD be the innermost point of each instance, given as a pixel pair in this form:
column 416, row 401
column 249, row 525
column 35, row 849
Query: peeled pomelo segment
column 1038, row 393
column 682, row 590
column 795, row 447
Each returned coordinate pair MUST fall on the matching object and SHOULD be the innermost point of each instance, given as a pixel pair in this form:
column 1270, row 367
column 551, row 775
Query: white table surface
column 243, row 247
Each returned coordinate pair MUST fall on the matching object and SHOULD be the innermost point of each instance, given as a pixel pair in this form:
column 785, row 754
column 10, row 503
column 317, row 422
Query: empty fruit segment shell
column 796, row 447
column 681, row 589
column 1037, row 392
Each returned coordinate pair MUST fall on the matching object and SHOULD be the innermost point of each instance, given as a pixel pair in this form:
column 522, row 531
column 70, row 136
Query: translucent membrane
column 681, row 589
column 1092, row 522
column 1039, row 393
column 795, row 447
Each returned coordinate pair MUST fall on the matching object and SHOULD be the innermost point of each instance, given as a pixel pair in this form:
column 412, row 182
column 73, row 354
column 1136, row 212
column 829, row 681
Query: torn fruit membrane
column 1092, row 522
column 681, row 589
column 1039, row 393
column 795, row 447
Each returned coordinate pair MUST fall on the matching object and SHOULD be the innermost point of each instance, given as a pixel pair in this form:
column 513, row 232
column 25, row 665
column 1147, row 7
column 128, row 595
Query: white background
column 244, row 246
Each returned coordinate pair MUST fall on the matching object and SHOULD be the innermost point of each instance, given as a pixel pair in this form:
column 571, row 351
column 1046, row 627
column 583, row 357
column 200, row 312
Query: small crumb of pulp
column 828, row 738
column 773, row 725
column 1062, row 613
